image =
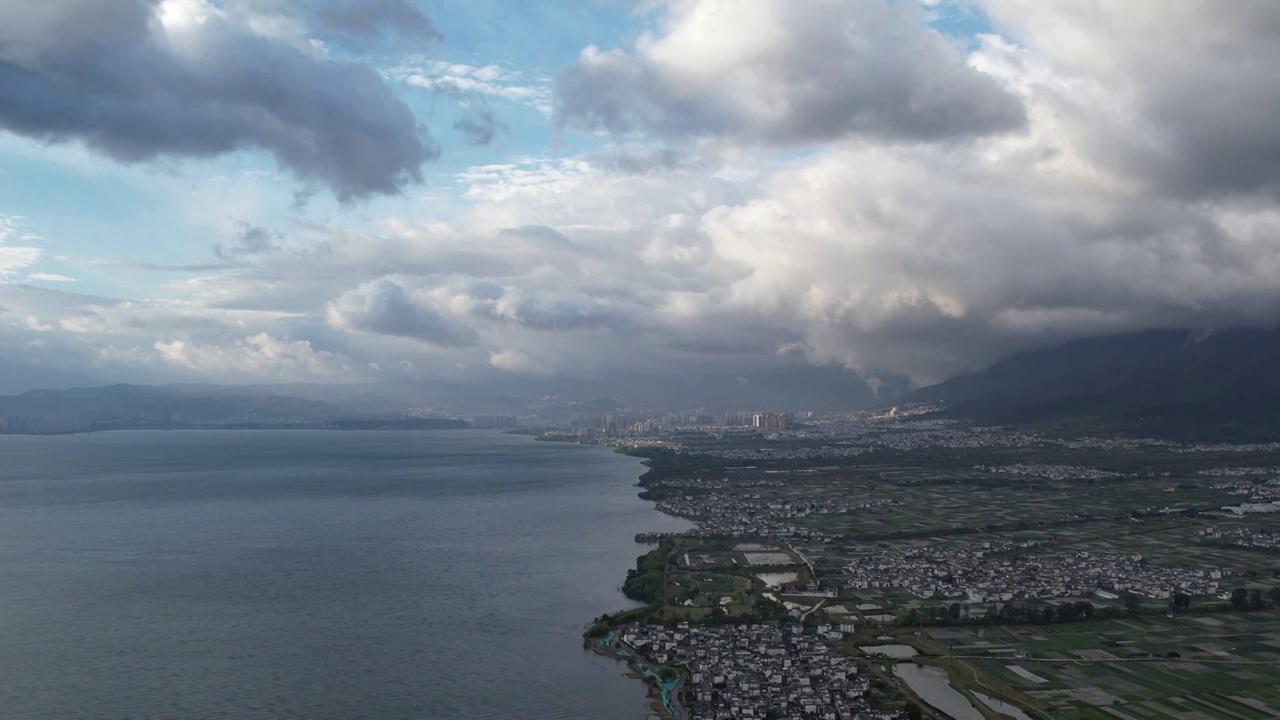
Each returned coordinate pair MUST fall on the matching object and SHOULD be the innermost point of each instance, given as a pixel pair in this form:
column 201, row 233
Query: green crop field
column 1223, row 666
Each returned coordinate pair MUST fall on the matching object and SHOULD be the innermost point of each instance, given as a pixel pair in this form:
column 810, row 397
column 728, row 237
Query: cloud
column 463, row 80
column 478, row 124
column 142, row 80
column 259, row 356
column 247, row 240
column 12, row 228
column 774, row 71
column 175, row 268
column 94, row 338
column 640, row 159
column 705, row 245
column 517, row 362
column 364, row 21
column 383, row 307
column 532, row 308
column 1183, row 96
column 50, row 277
column 16, row 259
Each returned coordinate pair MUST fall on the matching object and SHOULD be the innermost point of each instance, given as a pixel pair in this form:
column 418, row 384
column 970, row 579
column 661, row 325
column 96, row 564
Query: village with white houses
column 818, row 540
column 774, row 670
column 981, row 573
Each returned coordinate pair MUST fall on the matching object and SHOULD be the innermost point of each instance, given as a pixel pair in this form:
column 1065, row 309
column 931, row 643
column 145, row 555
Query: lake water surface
column 317, row 575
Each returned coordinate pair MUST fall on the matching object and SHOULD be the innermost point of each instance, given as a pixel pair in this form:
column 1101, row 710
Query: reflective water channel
column 934, row 686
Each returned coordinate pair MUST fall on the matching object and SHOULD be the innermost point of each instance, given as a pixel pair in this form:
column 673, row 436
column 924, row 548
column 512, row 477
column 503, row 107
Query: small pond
column 1002, row 707
column 778, row 579
column 933, row 685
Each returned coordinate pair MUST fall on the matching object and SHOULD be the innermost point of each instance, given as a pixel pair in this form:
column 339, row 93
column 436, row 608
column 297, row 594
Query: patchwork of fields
column 1224, row 666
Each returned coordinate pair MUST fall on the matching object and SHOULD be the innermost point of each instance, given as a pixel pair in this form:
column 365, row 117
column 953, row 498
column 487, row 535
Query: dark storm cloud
column 781, row 72
column 110, row 74
column 1220, row 111
column 383, row 307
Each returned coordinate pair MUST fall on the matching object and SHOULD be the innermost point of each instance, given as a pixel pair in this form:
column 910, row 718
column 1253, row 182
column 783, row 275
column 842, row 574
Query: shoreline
column 663, row 695
column 667, row 703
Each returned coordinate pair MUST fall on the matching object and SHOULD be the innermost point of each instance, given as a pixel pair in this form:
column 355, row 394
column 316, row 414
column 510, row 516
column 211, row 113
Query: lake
column 310, row 574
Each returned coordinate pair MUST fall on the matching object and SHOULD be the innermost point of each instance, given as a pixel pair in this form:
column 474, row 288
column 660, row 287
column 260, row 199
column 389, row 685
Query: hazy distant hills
column 1021, row 373
column 804, row 388
column 190, row 404
column 599, row 405
column 820, row 389
column 1170, row 383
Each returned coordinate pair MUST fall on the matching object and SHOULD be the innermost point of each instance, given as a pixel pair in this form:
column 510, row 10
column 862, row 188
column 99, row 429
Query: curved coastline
column 667, row 691
column 664, row 694
column 667, row 701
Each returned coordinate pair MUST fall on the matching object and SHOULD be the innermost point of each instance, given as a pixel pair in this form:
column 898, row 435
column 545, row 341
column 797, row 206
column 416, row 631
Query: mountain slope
column 1021, row 372
column 1224, row 387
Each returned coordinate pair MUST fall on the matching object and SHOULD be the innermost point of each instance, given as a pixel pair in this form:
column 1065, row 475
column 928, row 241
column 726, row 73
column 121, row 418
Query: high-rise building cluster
column 771, row 422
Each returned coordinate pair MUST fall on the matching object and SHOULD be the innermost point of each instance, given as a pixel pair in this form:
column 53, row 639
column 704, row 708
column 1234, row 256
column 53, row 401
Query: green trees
column 1009, row 613
column 645, row 582
column 1239, row 598
column 766, row 610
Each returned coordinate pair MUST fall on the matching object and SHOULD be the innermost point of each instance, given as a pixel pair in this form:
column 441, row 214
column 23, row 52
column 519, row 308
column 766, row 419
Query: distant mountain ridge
column 1165, row 382
column 599, row 405
column 163, row 403
column 1023, row 371
column 822, row 389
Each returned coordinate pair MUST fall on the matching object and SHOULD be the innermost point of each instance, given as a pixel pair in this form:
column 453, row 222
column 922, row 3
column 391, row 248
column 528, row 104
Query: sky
column 344, row 191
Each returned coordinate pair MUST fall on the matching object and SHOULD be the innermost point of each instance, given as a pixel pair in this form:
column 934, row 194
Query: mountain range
column 194, row 404
column 1166, row 383
column 1169, row 383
